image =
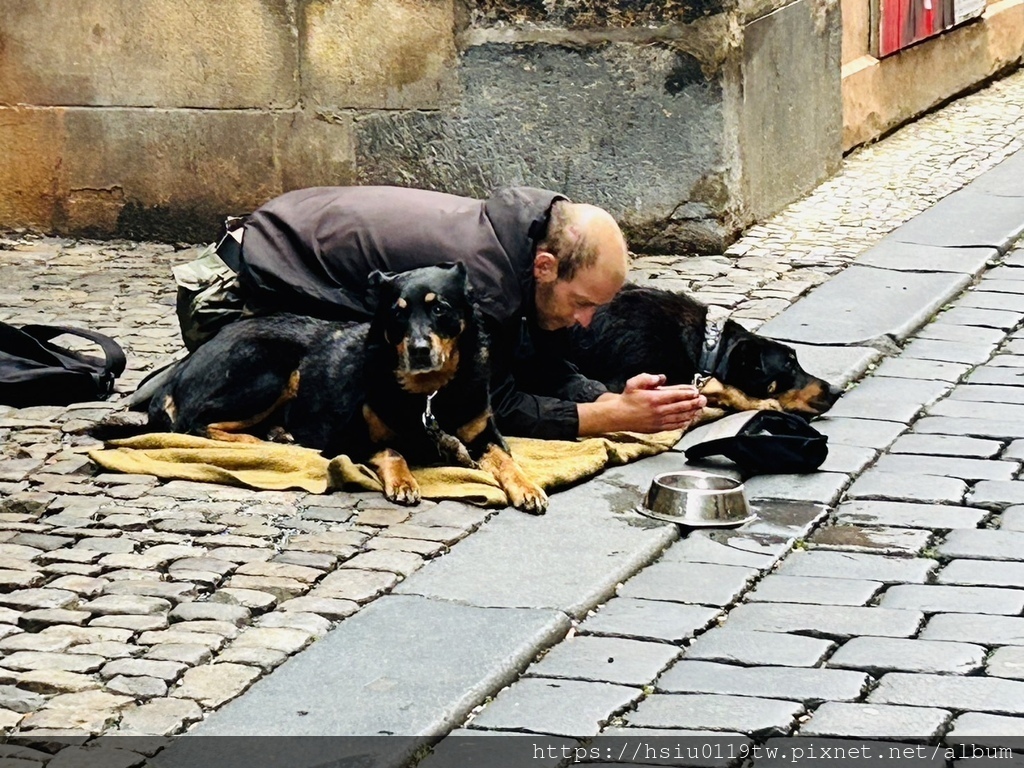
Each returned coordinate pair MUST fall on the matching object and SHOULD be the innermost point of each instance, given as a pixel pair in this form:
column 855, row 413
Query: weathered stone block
column 367, row 54
column 150, row 53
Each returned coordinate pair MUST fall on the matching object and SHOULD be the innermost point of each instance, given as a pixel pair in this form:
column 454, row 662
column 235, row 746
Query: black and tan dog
column 647, row 330
column 413, row 384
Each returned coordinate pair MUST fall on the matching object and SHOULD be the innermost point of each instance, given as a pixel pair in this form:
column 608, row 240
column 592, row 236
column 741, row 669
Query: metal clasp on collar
column 429, row 421
column 700, row 380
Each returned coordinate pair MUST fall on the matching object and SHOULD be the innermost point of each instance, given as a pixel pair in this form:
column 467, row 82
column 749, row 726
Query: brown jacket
column 311, row 251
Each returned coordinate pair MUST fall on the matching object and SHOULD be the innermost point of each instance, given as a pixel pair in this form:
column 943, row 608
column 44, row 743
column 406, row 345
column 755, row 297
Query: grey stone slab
column 1007, row 361
column 938, row 598
column 888, row 399
column 558, row 707
column 948, row 351
column 833, row 621
column 983, row 428
column 576, row 554
column 982, row 629
column 961, row 693
column 862, row 304
column 983, row 318
column 983, row 545
column 891, row 654
column 1006, row 662
column 988, row 393
column 996, row 494
column 724, row 548
column 1004, row 179
column 967, row 218
column 890, row 253
column 864, row 433
column 856, row 565
column 976, row 728
column 777, row 588
column 867, row 721
column 758, row 648
column 992, row 573
column 880, row 541
column 743, row 714
column 796, row 683
column 941, row 330
column 976, row 299
column 390, row 682
column 962, row 409
column 949, row 466
column 1006, row 272
column 465, row 747
column 847, row 459
column 1014, row 451
column 1000, row 285
column 696, row 583
column 1012, row 519
column 818, row 487
column 606, row 660
column 913, row 368
column 1015, row 258
column 649, row 620
column 890, row 486
column 946, row 445
column 907, row 515
column 782, row 519
column 838, row 365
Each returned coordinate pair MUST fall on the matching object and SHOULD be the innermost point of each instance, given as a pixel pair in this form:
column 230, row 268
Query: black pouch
column 760, row 442
column 35, row 371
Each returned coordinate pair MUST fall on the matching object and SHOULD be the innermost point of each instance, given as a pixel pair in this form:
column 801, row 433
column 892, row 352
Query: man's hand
column 645, row 405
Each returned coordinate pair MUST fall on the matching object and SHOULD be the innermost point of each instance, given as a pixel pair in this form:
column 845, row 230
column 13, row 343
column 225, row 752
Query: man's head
column 579, row 265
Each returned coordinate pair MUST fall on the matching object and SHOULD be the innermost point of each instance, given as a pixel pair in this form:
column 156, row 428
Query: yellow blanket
column 271, row 466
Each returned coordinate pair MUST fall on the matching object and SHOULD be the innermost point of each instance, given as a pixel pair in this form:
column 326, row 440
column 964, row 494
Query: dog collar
column 709, row 351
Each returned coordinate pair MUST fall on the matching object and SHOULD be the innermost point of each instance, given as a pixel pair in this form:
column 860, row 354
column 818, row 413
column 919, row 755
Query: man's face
column 564, row 303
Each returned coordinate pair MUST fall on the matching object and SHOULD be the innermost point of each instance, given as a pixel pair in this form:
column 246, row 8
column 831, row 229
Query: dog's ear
column 377, row 285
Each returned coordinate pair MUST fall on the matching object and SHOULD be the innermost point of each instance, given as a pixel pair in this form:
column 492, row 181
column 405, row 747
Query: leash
column 451, row 448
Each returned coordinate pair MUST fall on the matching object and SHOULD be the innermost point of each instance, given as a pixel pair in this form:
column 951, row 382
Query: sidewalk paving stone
column 941, row 329
column 983, row 544
column 734, row 646
column 558, row 707
column 908, row 515
column 988, row 393
column 892, row 486
column 948, row 466
column 948, row 351
column 981, row 694
column 996, row 494
column 891, row 253
column 993, row 376
column 969, row 427
column 965, row 409
column 982, row 573
column 781, row 520
column 983, row 629
column 847, row 459
column 856, row 565
column 649, row 620
column 797, row 683
column 863, row 433
column 726, row 548
column 605, row 659
column 883, row 541
column 694, row 583
column 968, row 218
column 830, row 621
column 914, row 368
column 743, row 714
column 778, row 588
column 1012, row 519
column 945, row 445
column 1002, row 319
column 977, row 728
column 885, row 654
column 934, row 598
column 1006, row 662
column 873, row 721
column 888, row 399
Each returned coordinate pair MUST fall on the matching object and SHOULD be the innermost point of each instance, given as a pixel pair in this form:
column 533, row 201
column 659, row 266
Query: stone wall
column 688, row 119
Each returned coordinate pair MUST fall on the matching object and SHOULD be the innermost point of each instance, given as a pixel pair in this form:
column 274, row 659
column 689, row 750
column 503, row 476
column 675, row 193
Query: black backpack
column 34, row 371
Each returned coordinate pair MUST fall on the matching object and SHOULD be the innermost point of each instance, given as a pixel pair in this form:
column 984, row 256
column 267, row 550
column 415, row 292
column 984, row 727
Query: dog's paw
column 528, row 497
column 405, row 492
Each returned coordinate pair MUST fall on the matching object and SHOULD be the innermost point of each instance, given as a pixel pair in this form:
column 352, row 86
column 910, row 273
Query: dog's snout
column 834, row 392
column 420, row 352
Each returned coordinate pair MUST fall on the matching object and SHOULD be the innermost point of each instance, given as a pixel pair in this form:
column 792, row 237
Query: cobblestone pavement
column 131, row 606
column 895, row 616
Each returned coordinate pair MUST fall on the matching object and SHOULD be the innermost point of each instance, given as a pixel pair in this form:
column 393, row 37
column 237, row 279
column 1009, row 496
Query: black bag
column 34, row 371
column 761, row 442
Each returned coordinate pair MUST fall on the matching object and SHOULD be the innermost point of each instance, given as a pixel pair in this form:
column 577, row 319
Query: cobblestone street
column 879, row 598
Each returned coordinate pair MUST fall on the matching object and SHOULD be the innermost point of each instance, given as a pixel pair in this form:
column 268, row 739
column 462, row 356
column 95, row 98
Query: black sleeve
column 534, row 391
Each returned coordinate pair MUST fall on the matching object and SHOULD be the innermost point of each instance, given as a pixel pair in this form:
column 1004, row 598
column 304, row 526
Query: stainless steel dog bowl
column 697, row 500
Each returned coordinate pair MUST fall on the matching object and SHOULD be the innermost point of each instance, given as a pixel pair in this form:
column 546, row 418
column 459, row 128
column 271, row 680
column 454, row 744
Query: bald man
column 537, row 262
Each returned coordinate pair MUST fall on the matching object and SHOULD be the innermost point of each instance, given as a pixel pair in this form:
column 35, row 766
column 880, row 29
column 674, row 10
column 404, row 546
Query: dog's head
column 766, row 369
column 422, row 313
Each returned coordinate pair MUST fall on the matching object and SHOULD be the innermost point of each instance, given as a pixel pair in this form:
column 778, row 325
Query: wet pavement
column 886, row 586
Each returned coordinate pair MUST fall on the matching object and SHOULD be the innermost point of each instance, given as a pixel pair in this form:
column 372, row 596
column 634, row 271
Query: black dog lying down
column 411, row 384
column 647, row 330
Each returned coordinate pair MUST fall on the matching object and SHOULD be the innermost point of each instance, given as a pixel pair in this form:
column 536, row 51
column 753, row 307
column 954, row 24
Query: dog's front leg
column 721, row 395
column 488, row 447
column 391, row 468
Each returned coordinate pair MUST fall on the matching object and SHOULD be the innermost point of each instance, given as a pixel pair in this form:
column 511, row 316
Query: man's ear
column 545, row 267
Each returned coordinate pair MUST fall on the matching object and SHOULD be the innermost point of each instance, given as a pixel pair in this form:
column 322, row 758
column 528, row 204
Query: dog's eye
column 772, row 387
column 438, row 308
